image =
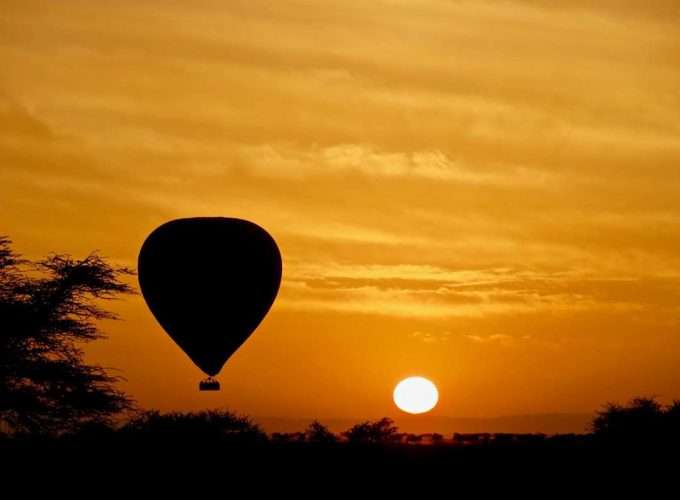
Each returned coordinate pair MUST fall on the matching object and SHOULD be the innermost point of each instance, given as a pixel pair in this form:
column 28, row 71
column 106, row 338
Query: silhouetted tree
column 642, row 420
column 414, row 438
column 280, row 437
column 289, row 437
column 319, row 434
column 381, row 431
column 472, row 438
column 672, row 422
column 47, row 310
column 212, row 425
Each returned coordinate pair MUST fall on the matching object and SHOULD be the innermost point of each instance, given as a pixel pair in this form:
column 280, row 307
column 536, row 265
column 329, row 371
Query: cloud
column 431, row 337
column 364, row 160
column 500, row 339
column 17, row 122
column 398, row 151
column 496, row 337
column 432, row 292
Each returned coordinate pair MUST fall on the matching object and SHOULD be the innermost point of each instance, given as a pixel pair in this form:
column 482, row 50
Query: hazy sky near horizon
column 485, row 193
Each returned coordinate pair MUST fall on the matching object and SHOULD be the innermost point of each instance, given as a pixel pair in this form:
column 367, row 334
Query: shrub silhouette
column 319, row 434
column 382, row 431
column 642, row 421
column 289, row 437
column 414, row 438
column 47, row 310
column 202, row 426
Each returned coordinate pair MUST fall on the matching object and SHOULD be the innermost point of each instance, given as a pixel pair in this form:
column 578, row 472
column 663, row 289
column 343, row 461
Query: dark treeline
column 643, row 421
column 218, row 443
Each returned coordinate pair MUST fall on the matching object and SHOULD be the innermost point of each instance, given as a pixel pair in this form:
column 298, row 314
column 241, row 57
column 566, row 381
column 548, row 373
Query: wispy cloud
column 431, row 337
column 364, row 160
column 426, row 291
column 501, row 339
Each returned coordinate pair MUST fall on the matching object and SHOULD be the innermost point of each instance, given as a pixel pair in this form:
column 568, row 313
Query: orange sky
column 483, row 193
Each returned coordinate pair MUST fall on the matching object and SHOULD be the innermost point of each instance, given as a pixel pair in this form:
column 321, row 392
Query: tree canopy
column 381, row 431
column 320, row 434
column 642, row 420
column 48, row 310
column 207, row 425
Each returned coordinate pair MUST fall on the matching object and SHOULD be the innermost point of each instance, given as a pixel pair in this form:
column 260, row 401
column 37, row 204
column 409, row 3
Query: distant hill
column 557, row 423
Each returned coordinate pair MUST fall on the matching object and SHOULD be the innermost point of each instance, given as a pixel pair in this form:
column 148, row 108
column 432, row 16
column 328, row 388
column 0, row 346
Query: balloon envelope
column 209, row 282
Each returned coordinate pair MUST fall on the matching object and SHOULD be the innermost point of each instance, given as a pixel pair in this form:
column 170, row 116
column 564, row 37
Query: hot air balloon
column 209, row 282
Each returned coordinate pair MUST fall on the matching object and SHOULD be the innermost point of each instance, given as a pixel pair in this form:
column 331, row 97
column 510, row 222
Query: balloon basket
column 209, row 384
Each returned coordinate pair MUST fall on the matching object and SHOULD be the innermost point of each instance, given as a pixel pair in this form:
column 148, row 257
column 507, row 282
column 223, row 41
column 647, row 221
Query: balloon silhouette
column 209, row 281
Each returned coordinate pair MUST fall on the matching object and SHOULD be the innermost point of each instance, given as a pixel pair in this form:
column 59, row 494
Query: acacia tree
column 202, row 426
column 48, row 309
column 642, row 420
column 381, row 431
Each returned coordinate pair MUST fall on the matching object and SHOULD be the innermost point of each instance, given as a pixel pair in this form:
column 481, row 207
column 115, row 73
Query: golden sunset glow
column 489, row 190
column 415, row 395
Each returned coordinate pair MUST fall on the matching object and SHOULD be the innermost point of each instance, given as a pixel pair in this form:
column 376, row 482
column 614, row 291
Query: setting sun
column 415, row 395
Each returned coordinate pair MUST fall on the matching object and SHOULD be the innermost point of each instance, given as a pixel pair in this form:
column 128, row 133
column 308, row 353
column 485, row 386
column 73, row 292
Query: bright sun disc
column 415, row 395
